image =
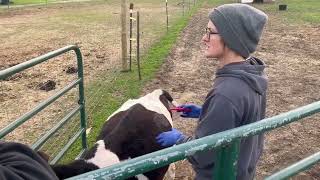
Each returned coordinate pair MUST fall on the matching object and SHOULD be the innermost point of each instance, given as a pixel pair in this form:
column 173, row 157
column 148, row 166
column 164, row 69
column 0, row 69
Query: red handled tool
column 179, row 109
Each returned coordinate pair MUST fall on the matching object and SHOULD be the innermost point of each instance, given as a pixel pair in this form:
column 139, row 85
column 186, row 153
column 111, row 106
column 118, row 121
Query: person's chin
column 207, row 55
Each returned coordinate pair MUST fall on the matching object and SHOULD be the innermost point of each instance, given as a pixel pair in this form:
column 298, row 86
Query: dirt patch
column 291, row 54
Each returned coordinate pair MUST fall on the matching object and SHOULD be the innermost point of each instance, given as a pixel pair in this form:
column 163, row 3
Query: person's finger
column 190, row 106
column 161, row 141
column 184, row 115
column 166, row 144
column 181, row 106
column 160, row 136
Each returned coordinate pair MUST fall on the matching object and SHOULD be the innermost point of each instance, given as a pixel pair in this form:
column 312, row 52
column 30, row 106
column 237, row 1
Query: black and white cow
column 128, row 133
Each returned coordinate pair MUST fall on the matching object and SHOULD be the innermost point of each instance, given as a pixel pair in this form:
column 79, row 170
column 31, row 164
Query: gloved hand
column 169, row 138
column 193, row 111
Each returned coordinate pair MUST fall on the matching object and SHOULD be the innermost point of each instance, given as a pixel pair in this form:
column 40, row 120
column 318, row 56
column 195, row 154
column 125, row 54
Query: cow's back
column 135, row 131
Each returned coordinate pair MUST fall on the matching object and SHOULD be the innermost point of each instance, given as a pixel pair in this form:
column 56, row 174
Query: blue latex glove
column 169, row 138
column 194, row 111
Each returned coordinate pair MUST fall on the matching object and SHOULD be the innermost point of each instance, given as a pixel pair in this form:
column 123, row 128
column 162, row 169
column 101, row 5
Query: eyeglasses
column 209, row 32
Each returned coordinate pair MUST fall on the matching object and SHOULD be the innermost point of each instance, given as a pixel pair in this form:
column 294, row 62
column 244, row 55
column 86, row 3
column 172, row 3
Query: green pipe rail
column 294, row 169
column 227, row 141
column 80, row 108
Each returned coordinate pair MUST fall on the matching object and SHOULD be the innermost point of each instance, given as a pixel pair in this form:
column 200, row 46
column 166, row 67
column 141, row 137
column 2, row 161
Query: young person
column 238, row 96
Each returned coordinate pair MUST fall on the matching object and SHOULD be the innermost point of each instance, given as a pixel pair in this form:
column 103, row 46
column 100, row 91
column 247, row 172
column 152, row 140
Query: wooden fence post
column 130, row 36
column 167, row 15
column 124, row 53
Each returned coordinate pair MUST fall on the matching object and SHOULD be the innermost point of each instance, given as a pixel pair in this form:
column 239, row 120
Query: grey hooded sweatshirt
column 238, row 97
column 19, row 162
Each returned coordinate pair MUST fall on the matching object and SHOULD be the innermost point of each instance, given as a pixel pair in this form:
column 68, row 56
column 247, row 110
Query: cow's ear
column 167, row 95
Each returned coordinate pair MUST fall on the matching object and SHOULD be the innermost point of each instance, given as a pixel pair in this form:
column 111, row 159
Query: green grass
column 298, row 11
column 127, row 85
column 25, row 2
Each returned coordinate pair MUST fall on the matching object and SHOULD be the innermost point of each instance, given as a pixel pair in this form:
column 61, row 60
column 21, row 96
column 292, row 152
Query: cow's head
column 165, row 98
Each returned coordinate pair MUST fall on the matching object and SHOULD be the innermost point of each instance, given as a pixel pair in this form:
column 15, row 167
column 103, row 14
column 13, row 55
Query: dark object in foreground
column 4, row 2
column 282, row 7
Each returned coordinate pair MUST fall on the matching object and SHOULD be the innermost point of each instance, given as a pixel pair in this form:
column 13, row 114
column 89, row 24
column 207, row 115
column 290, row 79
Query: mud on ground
column 292, row 57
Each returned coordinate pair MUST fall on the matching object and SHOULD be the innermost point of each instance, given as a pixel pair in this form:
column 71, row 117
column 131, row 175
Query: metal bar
column 183, row 7
column 296, row 168
column 226, row 164
column 138, row 44
column 67, row 146
column 37, row 109
column 81, row 102
column 81, row 153
column 167, row 15
column 169, row 155
column 44, row 138
column 130, row 36
column 25, row 65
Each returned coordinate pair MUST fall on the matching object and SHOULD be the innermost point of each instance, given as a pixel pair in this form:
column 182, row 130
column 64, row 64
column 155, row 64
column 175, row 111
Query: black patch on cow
column 128, row 134
column 132, row 133
column 75, row 168
column 165, row 98
column 90, row 153
column 167, row 95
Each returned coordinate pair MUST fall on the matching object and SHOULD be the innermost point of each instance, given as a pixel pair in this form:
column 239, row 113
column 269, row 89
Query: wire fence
column 95, row 27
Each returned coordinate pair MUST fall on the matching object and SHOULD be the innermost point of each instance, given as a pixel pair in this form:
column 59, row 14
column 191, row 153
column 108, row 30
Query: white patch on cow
column 150, row 101
column 103, row 157
column 142, row 177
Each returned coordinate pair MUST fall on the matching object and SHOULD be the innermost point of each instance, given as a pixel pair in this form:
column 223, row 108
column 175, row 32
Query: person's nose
column 204, row 38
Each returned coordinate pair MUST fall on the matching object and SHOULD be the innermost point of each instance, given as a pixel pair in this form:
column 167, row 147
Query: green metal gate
column 79, row 108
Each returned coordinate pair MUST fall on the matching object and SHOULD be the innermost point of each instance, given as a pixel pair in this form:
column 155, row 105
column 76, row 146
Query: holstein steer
column 129, row 132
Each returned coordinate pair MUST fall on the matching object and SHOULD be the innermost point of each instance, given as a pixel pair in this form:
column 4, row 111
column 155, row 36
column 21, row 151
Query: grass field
column 298, row 11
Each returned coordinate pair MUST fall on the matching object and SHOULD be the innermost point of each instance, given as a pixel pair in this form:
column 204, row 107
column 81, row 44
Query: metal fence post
column 183, row 7
column 226, row 163
column 130, row 36
column 167, row 15
column 138, row 44
column 81, row 99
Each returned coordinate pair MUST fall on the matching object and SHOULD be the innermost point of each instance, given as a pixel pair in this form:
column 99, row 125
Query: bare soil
column 291, row 53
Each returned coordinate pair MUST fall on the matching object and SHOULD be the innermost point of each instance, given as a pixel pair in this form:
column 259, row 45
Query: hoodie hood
column 251, row 71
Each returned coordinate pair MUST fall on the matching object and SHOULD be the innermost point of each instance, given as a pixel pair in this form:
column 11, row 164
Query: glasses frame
column 209, row 32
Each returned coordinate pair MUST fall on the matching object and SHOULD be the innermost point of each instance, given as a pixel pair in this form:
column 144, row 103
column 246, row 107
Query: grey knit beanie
column 240, row 26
